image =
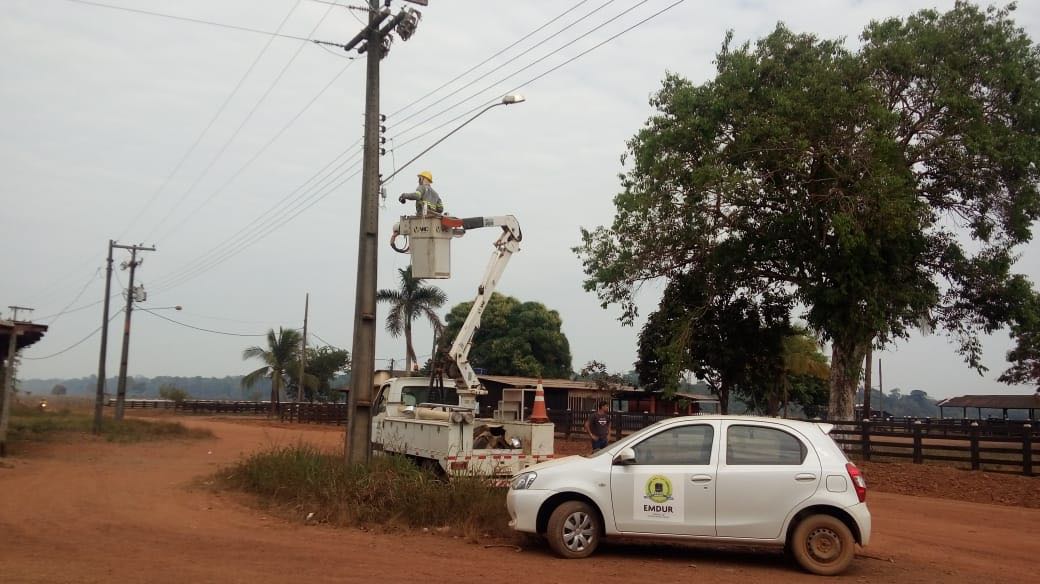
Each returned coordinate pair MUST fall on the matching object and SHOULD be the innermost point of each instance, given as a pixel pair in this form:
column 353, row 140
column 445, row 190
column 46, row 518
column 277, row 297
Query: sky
column 234, row 153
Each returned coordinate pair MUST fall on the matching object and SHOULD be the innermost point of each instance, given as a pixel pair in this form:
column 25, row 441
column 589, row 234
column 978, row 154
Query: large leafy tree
column 879, row 189
column 411, row 300
column 279, row 356
column 1025, row 355
column 323, row 364
column 515, row 338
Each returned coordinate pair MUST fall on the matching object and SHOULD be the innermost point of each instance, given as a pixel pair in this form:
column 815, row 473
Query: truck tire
column 822, row 544
column 574, row 530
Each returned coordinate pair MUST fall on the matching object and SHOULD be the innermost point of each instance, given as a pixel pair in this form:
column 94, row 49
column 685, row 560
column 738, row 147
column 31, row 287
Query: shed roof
column 996, row 402
column 547, row 383
column 28, row 334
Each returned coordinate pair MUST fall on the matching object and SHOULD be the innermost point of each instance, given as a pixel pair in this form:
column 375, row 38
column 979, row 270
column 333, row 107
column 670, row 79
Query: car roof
column 802, row 425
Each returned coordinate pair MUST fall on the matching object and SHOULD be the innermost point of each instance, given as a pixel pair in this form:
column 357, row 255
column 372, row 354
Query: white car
column 727, row 479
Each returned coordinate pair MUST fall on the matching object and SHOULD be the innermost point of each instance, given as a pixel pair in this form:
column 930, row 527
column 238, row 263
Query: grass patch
column 31, row 424
column 391, row 491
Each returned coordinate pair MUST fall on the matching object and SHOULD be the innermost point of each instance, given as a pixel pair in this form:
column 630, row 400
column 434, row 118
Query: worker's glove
column 401, row 199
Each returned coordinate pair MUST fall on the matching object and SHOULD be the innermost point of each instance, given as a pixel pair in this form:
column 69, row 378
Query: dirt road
column 99, row 512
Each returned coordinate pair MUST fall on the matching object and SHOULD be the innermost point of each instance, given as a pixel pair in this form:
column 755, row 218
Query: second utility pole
column 121, row 388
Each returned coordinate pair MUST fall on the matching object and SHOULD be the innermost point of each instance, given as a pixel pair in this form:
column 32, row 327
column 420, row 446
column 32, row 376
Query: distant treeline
column 223, row 388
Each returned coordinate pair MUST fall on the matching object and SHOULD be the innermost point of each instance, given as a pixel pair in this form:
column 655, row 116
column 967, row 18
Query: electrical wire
column 200, row 328
column 518, row 71
column 350, row 9
column 64, row 310
column 524, row 52
column 259, row 152
column 213, row 120
column 487, row 60
column 317, row 336
column 551, row 70
column 77, row 343
column 189, row 19
column 234, row 135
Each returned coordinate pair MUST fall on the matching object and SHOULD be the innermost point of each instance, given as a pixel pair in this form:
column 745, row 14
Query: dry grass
column 390, row 492
column 30, row 423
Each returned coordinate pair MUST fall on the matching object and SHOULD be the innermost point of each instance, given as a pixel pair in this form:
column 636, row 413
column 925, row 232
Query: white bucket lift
column 429, row 243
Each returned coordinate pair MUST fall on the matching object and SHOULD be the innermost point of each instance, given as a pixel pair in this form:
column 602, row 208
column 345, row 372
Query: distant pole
column 867, row 371
column 303, row 344
column 124, row 359
column 880, row 380
column 99, row 401
column 5, row 410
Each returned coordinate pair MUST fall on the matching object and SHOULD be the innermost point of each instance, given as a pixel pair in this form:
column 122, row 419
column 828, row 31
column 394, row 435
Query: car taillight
column 857, row 481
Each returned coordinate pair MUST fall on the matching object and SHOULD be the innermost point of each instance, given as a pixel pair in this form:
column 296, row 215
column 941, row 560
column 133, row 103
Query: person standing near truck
column 598, row 426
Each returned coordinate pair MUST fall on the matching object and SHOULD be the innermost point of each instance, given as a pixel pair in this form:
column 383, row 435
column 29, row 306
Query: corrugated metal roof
column 996, row 402
column 547, row 383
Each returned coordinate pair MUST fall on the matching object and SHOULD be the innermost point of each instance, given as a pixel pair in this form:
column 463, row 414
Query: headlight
column 524, row 481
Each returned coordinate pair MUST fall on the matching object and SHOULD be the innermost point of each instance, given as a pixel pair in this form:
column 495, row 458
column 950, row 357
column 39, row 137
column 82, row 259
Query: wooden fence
column 314, row 413
column 980, row 447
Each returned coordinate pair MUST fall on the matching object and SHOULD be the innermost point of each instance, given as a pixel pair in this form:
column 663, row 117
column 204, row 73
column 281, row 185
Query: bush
column 173, row 393
column 390, row 491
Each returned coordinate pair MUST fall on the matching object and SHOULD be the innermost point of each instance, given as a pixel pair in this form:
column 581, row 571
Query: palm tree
column 282, row 352
column 412, row 300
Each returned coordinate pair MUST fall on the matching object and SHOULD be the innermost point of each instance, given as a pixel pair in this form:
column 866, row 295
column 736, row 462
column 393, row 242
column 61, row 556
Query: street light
column 178, row 307
column 506, row 100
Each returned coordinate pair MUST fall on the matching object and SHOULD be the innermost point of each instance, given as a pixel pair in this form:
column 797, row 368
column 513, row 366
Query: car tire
column 574, row 530
column 823, row 545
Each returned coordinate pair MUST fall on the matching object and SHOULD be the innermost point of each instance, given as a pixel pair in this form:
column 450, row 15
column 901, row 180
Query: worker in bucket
column 426, row 199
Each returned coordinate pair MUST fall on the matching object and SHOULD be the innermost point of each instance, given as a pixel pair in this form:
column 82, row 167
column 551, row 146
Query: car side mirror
column 626, row 456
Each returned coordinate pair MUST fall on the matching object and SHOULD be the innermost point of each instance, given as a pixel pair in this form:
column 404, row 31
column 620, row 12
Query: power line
column 200, row 328
column 262, row 149
column 191, row 20
column 212, row 120
column 73, row 301
column 544, row 73
column 518, row 71
column 485, row 61
column 234, row 135
column 77, row 343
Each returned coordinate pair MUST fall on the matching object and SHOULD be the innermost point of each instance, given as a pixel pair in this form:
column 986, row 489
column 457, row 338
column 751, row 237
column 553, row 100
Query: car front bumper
column 523, row 506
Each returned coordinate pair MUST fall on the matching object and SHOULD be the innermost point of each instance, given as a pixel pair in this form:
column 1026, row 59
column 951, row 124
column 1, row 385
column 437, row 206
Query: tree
column 515, row 338
column 1025, row 355
column 59, row 389
column 172, row 392
column 410, row 301
column 283, row 350
column 728, row 338
column 596, row 372
column 848, row 181
column 322, row 366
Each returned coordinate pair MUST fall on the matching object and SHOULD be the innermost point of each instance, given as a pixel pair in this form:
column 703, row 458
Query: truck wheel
column 574, row 530
column 822, row 544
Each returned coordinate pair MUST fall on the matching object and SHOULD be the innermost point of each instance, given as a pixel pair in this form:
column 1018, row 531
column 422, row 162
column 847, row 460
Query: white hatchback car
column 727, row 479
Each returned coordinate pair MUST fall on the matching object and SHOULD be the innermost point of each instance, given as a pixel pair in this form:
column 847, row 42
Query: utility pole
column 868, row 370
column 121, row 389
column 359, row 421
column 99, row 401
column 303, row 344
column 8, row 395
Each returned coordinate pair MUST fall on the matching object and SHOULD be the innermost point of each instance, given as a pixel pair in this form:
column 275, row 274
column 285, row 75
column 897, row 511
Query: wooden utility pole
column 303, row 346
column 99, row 401
column 867, row 370
column 8, row 395
column 121, row 389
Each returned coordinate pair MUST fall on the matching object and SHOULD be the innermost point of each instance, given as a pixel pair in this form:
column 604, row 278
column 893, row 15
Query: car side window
column 683, row 445
column 757, row 445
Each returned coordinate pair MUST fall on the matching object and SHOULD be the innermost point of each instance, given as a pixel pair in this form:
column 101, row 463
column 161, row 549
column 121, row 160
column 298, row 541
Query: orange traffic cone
column 538, row 413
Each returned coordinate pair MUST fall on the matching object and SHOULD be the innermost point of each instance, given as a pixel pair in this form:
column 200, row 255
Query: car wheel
column 823, row 545
column 573, row 530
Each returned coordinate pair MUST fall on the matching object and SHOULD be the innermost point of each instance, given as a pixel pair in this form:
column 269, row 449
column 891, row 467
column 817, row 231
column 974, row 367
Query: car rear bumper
column 861, row 515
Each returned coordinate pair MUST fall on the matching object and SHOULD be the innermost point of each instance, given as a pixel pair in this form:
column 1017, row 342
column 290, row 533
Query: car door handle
column 804, row 477
column 701, row 478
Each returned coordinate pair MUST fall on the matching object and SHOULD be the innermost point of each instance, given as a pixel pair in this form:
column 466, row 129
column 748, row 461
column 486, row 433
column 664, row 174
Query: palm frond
column 250, row 379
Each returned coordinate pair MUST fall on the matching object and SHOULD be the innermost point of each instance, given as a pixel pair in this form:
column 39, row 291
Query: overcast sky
column 101, row 106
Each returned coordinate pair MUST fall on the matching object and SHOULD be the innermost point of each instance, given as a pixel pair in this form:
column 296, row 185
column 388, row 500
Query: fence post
column 975, row 446
column 1027, row 449
column 918, row 453
column 866, row 439
column 570, row 424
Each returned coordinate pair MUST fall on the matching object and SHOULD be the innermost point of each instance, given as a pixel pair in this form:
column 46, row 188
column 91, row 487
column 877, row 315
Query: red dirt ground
column 91, row 511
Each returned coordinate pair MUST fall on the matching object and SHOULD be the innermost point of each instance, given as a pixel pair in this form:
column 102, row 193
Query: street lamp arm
column 510, row 99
